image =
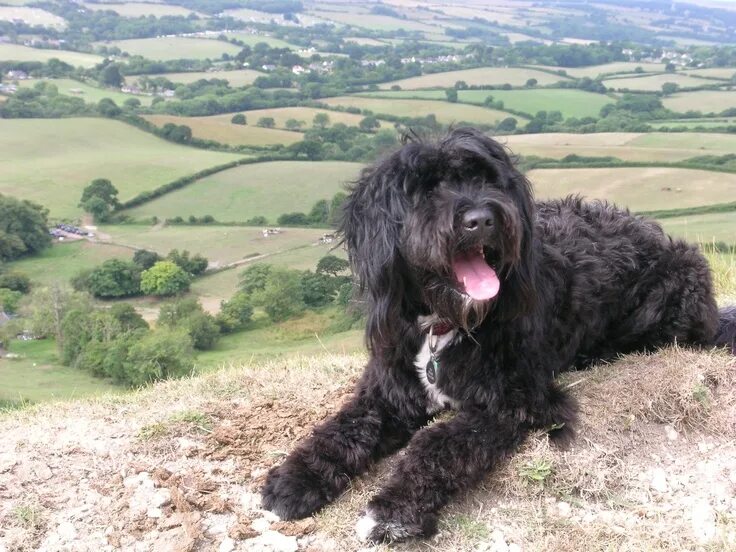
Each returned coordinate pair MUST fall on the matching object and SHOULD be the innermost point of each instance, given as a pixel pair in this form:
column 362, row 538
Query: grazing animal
column 477, row 297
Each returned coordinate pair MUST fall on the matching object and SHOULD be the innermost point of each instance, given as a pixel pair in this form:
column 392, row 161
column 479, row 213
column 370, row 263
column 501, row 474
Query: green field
column 138, row 9
column 235, row 79
column 725, row 73
column 50, row 161
column 89, row 93
column 31, row 16
column 375, row 22
column 641, row 189
column 165, row 48
column 63, row 261
column 570, row 102
column 37, row 376
column 515, row 76
column 705, row 101
column 703, row 228
column 220, row 129
column 444, row 111
column 594, row 71
column 629, row 146
column 16, row 52
column 266, row 189
column 654, row 83
column 251, row 39
column 713, row 122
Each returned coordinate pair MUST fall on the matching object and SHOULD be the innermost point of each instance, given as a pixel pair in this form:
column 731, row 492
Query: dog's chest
column 428, row 363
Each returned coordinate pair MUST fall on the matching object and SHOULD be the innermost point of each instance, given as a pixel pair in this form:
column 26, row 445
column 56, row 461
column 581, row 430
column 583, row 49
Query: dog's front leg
column 440, row 461
column 366, row 428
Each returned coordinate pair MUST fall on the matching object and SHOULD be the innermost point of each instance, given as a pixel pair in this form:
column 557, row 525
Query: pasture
column 64, row 260
column 50, row 161
column 640, row 189
column 515, row 76
column 709, row 228
column 251, row 39
column 140, row 9
column 16, row 52
column 712, row 122
column 220, row 129
column 629, row 146
column 653, row 83
column 37, row 376
column 705, row 101
column 89, row 93
column 444, row 111
column 725, row 73
column 304, row 114
column 375, row 22
column 32, row 16
column 570, row 102
column 262, row 189
column 593, row 71
column 241, row 77
column 165, row 48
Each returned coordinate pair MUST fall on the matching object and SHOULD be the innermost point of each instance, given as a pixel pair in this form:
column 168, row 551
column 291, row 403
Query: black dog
column 476, row 298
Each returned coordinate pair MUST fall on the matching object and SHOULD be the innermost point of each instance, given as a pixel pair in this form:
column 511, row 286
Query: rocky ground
column 177, row 467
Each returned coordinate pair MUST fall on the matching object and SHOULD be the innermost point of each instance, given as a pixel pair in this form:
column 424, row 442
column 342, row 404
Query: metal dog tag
column 431, row 370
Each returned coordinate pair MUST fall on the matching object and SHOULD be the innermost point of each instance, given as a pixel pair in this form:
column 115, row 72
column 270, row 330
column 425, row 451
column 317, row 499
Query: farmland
column 703, row 228
column 16, row 52
column 89, row 93
column 138, row 9
column 165, row 48
column 40, row 166
column 570, row 102
column 593, row 71
column 220, row 129
column 237, row 78
column 31, row 16
column 705, row 101
column 641, row 189
column 251, row 39
column 483, row 75
column 654, row 83
column 262, row 189
column 444, row 111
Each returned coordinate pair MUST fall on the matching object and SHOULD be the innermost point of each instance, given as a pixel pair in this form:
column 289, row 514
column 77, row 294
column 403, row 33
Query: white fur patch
column 437, row 400
column 364, row 526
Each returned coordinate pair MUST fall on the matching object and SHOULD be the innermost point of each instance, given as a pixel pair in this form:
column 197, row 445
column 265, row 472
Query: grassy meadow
column 570, row 102
column 703, row 228
column 139, row 9
column 240, row 77
column 251, row 39
column 220, row 129
column 89, row 93
column 653, row 83
column 705, row 101
column 593, row 71
column 31, row 16
column 50, row 161
column 262, row 189
column 515, row 76
column 445, row 112
column 165, row 48
column 17, row 52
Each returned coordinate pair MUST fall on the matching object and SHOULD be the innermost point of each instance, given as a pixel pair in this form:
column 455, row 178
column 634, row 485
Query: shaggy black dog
column 476, row 298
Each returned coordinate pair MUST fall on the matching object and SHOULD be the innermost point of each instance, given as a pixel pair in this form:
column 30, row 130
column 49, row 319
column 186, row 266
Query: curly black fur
column 580, row 282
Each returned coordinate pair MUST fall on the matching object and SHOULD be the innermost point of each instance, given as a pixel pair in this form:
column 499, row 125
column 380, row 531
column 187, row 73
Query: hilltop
column 177, row 466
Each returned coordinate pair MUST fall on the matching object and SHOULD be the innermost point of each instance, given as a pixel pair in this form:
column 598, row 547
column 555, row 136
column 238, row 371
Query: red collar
column 441, row 328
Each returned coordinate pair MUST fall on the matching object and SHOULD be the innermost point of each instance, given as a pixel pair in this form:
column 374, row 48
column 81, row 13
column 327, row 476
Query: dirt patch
column 178, row 467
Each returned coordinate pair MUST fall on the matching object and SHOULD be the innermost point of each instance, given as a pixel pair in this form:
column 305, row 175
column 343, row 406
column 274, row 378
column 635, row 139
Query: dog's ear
column 371, row 229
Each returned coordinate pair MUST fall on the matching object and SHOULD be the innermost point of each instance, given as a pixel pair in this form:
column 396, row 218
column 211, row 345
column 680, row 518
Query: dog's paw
column 293, row 492
column 374, row 527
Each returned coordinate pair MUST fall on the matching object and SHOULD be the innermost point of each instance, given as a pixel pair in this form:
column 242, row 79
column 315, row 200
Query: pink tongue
column 479, row 279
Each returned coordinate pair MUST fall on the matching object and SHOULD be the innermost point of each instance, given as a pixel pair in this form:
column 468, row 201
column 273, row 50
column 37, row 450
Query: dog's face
column 442, row 228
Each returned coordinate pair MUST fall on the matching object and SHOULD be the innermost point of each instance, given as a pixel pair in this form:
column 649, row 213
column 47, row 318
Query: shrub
column 238, row 119
column 164, row 278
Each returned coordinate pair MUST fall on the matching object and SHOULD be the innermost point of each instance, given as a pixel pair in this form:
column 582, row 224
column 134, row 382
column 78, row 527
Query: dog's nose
column 478, row 221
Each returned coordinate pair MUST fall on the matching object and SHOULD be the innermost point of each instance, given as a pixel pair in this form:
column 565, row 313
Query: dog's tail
column 726, row 335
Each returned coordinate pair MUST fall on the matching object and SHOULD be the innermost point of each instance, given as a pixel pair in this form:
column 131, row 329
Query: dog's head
column 442, row 227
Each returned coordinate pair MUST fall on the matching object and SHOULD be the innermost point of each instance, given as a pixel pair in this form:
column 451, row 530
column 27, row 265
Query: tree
column 203, row 329
column 164, row 279
column 128, row 317
column 194, row 265
column 159, row 355
column 281, row 297
column 670, row 67
column 15, row 281
column 110, row 76
column 321, row 120
column 317, row 290
column 114, row 278
column 451, row 95
column 294, row 124
column 531, row 83
column 368, row 124
column 9, row 300
column 507, row 125
column 293, row 219
column 336, row 207
column 102, row 188
column 145, row 259
column 235, row 313
column 172, row 313
column 45, row 308
column 238, row 119
column 332, row 265
column 108, row 108
column 311, row 148
column 320, row 212
column 132, row 103
column 254, row 278
column 670, row 88
column 266, row 122
column 23, row 228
